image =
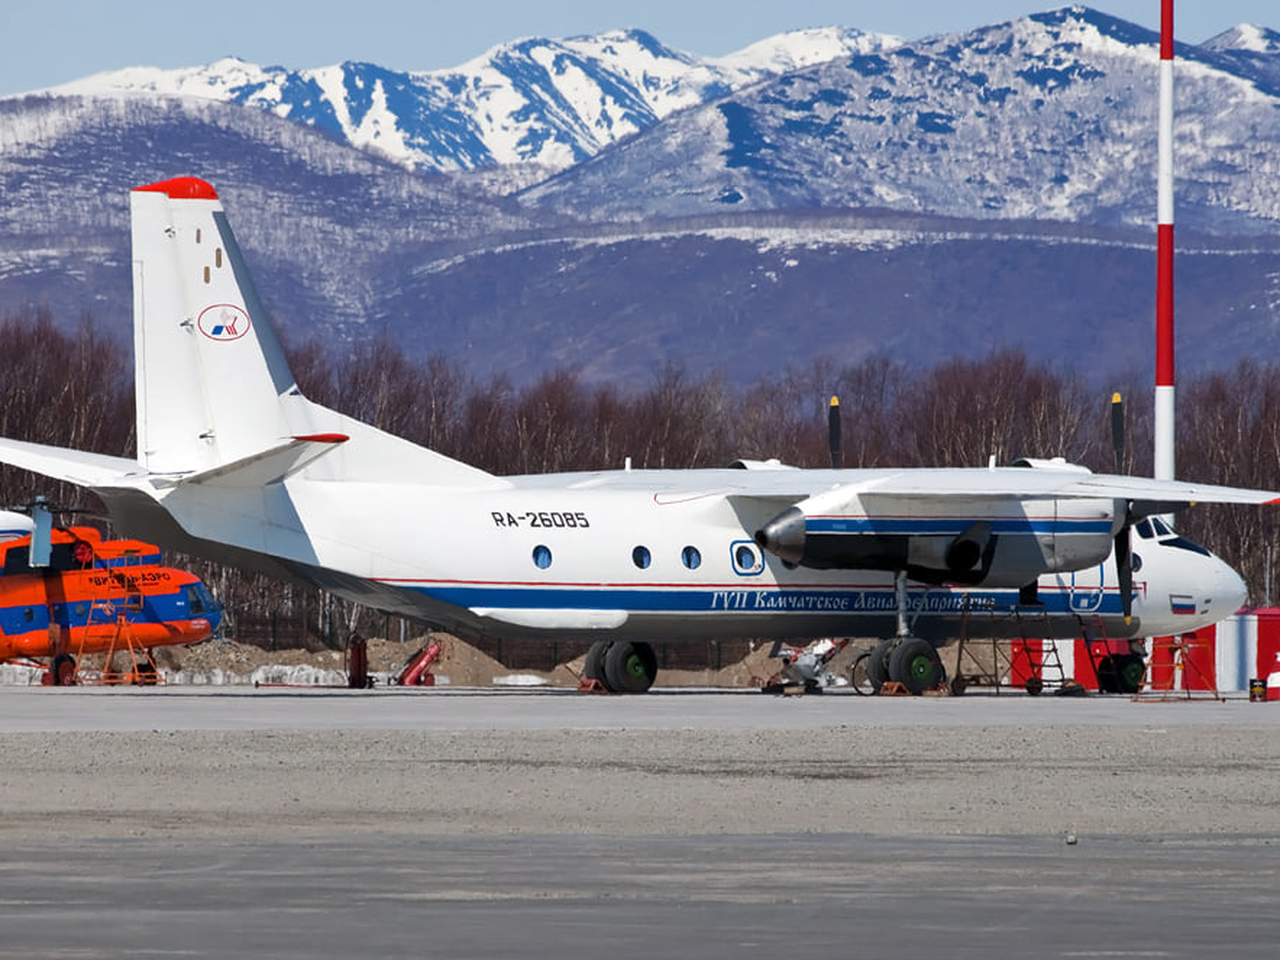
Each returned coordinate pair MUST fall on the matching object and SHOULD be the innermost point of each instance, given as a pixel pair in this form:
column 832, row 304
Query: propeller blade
column 1117, row 431
column 833, row 433
column 1124, row 566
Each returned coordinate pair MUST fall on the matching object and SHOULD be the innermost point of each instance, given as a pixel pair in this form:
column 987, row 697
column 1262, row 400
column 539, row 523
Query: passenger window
column 640, row 557
column 691, row 558
column 541, row 557
column 746, row 561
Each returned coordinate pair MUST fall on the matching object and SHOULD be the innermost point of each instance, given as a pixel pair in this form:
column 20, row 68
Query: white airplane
column 14, row 525
column 235, row 464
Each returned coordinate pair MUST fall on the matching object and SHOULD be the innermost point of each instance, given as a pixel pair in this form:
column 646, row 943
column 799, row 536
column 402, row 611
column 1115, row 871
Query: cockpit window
column 1144, row 530
column 195, row 602
column 1161, row 528
column 1182, row 543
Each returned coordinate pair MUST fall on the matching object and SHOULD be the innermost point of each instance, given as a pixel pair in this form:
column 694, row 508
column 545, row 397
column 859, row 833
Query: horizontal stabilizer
column 270, row 466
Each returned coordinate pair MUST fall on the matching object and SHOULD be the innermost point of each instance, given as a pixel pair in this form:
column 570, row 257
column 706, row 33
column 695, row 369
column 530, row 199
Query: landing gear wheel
column 878, row 665
column 1034, row 686
column 1130, row 669
column 1108, row 673
column 630, row 667
column 63, row 670
column 860, row 676
column 144, row 675
column 593, row 668
column 914, row 663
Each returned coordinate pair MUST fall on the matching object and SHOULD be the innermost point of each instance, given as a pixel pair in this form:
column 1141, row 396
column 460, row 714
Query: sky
column 55, row 41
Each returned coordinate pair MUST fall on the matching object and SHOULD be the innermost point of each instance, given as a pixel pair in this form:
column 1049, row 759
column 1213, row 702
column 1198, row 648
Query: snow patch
column 519, row 680
column 18, row 675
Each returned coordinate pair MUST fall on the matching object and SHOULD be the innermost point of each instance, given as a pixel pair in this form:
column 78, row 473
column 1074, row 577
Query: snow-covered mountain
column 1049, row 117
column 1251, row 50
column 548, row 102
column 1246, row 38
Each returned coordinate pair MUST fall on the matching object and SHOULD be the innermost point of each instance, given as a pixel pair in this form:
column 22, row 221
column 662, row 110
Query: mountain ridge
column 850, row 235
column 547, row 101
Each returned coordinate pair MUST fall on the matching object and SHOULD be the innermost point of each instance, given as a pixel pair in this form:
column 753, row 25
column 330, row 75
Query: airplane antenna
column 833, row 433
column 1164, row 408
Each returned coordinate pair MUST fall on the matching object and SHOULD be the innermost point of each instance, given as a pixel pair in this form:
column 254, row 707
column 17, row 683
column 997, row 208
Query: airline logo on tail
column 223, row 321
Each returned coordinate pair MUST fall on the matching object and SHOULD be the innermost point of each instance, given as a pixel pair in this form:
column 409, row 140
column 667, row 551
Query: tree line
column 75, row 389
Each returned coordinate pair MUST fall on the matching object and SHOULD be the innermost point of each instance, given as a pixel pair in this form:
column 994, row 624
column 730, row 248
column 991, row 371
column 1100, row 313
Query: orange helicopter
column 65, row 592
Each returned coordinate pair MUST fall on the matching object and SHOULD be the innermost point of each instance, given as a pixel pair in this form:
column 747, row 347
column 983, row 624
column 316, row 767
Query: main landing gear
column 621, row 666
column 904, row 659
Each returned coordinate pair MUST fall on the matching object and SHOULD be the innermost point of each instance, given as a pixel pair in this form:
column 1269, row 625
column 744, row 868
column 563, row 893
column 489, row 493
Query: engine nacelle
column 997, row 542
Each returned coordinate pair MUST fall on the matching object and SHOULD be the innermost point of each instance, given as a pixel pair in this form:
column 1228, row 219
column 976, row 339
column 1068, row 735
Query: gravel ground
column 891, row 780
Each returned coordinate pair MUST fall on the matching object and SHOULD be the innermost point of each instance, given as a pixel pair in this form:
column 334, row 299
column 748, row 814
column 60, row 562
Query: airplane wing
column 999, row 483
column 74, row 466
column 1144, row 489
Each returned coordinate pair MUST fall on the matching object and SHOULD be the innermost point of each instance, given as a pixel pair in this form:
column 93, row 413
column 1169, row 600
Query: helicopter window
column 17, row 560
column 194, row 602
column 640, row 557
column 541, row 557
column 1144, row 530
column 691, row 558
column 29, row 614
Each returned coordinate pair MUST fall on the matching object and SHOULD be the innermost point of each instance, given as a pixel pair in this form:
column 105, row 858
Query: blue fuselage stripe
column 945, row 526
column 697, row 600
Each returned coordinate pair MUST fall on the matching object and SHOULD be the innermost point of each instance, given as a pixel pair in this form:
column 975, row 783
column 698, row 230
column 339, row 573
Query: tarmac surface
column 217, row 822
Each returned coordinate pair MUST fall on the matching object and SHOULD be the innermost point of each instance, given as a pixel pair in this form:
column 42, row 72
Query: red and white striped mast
column 1164, row 419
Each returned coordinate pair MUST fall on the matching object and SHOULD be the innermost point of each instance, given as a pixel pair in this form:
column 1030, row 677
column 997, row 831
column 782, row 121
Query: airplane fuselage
column 655, row 554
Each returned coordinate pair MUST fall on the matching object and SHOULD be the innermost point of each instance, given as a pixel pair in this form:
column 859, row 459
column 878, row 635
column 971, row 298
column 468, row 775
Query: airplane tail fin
column 215, row 396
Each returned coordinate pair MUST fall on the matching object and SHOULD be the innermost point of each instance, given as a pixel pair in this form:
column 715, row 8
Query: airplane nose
column 1227, row 590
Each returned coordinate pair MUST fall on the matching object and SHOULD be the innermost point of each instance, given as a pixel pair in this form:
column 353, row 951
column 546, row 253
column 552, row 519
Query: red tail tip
column 324, row 438
column 183, row 188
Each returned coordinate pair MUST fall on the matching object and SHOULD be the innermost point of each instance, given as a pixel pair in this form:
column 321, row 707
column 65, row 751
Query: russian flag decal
column 1182, row 605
